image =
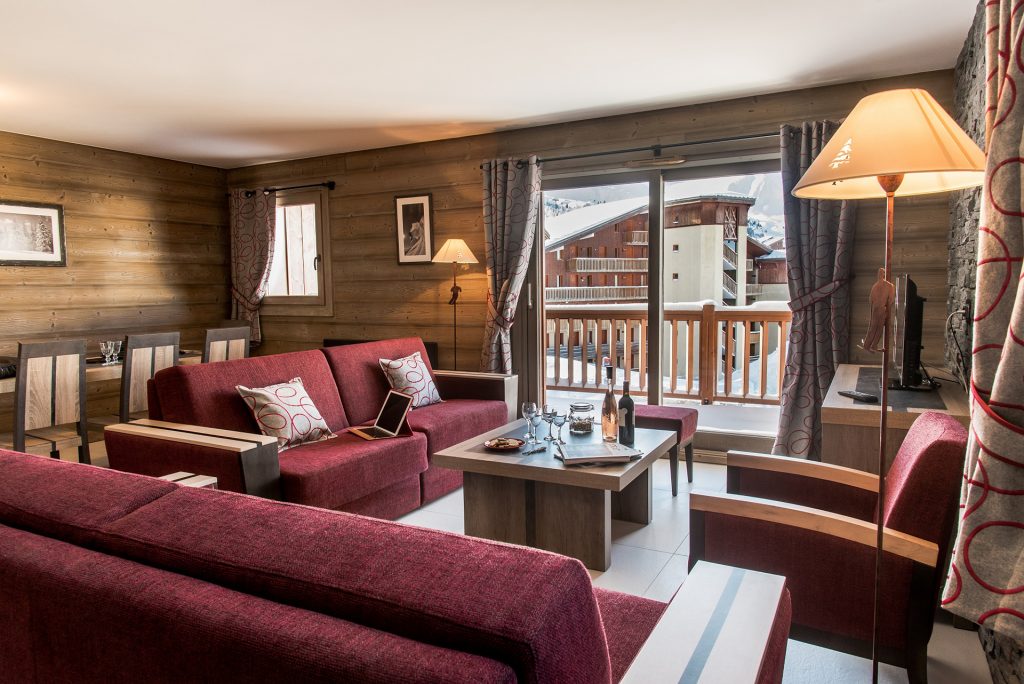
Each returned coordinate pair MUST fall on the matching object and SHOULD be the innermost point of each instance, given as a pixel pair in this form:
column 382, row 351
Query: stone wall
column 964, row 206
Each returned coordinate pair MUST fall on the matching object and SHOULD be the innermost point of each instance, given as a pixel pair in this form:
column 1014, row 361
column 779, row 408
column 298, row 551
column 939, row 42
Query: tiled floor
column 651, row 561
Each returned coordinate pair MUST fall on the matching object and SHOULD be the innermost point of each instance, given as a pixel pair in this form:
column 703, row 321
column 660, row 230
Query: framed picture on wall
column 31, row 234
column 414, row 222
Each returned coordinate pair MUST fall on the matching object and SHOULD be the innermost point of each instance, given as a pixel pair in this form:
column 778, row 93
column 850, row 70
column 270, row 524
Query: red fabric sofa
column 114, row 577
column 384, row 478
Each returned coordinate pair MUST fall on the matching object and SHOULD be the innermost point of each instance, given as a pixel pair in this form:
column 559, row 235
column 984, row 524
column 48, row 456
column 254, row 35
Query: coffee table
column 536, row 501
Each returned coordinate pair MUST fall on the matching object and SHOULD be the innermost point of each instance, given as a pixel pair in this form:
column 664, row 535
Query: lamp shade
column 897, row 132
column 455, row 252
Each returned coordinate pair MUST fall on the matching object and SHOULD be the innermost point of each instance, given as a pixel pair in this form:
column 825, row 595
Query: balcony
column 729, row 258
column 625, row 293
column 636, row 237
column 607, row 265
column 729, row 286
column 711, row 353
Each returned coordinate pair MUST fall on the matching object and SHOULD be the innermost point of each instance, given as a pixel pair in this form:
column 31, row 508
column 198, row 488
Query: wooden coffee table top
column 471, row 456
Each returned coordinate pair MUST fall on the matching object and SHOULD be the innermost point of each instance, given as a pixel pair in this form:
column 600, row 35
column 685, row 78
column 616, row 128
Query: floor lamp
column 455, row 252
column 894, row 143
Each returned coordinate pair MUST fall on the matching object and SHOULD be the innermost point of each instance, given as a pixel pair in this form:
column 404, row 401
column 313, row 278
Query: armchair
column 814, row 524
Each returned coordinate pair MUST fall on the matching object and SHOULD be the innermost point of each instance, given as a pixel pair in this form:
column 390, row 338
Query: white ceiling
column 232, row 82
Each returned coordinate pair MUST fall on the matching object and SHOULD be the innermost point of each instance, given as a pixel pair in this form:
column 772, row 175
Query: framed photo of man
column 414, row 221
column 32, row 234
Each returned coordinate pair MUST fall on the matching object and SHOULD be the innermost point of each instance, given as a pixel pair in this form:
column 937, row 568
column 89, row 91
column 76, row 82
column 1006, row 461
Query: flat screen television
column 907, row 347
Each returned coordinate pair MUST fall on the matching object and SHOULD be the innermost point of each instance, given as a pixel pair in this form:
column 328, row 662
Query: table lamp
column 898, row 142
column 456, row 252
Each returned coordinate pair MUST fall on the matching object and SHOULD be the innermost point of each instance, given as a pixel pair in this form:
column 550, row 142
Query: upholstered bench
column 684, row 422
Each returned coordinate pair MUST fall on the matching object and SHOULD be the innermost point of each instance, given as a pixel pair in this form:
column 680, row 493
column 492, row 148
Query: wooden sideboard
column 849, row 429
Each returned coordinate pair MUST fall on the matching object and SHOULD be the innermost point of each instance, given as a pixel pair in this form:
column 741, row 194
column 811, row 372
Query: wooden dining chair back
column 226, row 344
column 50, row 399
column 144, row 355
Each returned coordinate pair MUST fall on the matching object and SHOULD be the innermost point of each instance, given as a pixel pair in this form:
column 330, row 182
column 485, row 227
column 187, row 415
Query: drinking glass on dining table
column 529, row 411
column 548, row 412
column 559, row 422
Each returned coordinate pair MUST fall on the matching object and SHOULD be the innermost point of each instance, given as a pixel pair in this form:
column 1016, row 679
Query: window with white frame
column 300, row 270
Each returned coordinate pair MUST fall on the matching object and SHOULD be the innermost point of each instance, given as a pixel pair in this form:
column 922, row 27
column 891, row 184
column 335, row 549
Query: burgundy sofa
column 115, row 577
column 383, row 478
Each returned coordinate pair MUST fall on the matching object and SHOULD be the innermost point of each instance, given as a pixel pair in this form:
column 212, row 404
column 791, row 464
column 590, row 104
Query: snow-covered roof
column 774, row 255
column 572, row 224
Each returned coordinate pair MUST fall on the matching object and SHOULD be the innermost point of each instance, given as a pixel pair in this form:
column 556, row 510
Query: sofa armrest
column 832, row 524
column 240, row 461
column 472, row 385
column 736, row 621
column 803, row 468
column 807, row 483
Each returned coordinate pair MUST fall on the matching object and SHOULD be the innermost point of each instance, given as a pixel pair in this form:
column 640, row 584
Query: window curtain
column 986, row 579
column 252, row 247
column 511, row 205
column 819, row 252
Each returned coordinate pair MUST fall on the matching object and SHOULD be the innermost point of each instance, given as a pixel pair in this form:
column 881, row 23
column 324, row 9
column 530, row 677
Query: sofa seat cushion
column 64, row 611
column 68, row 500
column 358, row 375
column 532, row 610
column 205, row 394
column 628, row 621
column 334, row 472
column 456, row 420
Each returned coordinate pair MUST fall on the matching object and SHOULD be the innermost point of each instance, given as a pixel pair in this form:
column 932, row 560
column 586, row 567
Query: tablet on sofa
column 389, row 420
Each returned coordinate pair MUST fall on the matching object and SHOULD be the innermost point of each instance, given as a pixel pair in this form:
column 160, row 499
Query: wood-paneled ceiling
column 231, row 83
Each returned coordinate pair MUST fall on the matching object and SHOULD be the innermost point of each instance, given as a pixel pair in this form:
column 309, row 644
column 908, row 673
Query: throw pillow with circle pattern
column 285, row 411
column 411, row 375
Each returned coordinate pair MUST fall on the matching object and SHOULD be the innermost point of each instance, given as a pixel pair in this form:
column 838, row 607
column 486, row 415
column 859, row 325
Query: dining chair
column 49, row 400
column 144, row 355
column 226, row 344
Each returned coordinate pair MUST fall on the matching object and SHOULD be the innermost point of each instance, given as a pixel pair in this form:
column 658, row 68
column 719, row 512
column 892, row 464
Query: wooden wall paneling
column 147, row 246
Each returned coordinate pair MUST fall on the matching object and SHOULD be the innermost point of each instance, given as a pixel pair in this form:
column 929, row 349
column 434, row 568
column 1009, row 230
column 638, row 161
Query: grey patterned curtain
column 819, row 252
column 252, row 247
column 511, row 203
column 986, row 580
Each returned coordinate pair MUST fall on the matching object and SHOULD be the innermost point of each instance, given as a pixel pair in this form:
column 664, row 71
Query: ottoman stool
column 684, row 422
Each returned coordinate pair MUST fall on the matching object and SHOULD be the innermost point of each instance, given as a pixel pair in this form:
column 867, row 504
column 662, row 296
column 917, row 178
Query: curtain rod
column 655, row 148
column 330, row 185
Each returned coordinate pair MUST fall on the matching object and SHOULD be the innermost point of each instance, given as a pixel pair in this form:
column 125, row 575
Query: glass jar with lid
column 581, row 418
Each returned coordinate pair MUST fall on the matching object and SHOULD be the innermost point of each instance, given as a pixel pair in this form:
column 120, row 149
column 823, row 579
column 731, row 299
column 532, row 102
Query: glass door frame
column 528, row 340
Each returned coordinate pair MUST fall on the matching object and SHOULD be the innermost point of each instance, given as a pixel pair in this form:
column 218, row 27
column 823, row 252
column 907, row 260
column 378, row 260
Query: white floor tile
column 632, row 570
column 435, row 521
column 449, row 504
column 668, row 581
column 670, row 525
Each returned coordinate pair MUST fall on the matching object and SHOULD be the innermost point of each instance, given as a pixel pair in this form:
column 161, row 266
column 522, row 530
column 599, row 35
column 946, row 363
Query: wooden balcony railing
column 636, row 237
column 611, row 293
column 711, row 353
column 607, row 265
column 729, row 284
column 730, row 257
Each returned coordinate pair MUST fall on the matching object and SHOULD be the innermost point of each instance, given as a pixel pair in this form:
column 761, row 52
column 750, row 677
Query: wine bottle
column 627, row 417
column 609, row 411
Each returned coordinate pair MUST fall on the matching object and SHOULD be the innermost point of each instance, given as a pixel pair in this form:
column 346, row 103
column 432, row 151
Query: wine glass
column 535, row 420
column 105, row 349
column 529, row 410
column 559, row 421
column 115, row 350
column 548, row 412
